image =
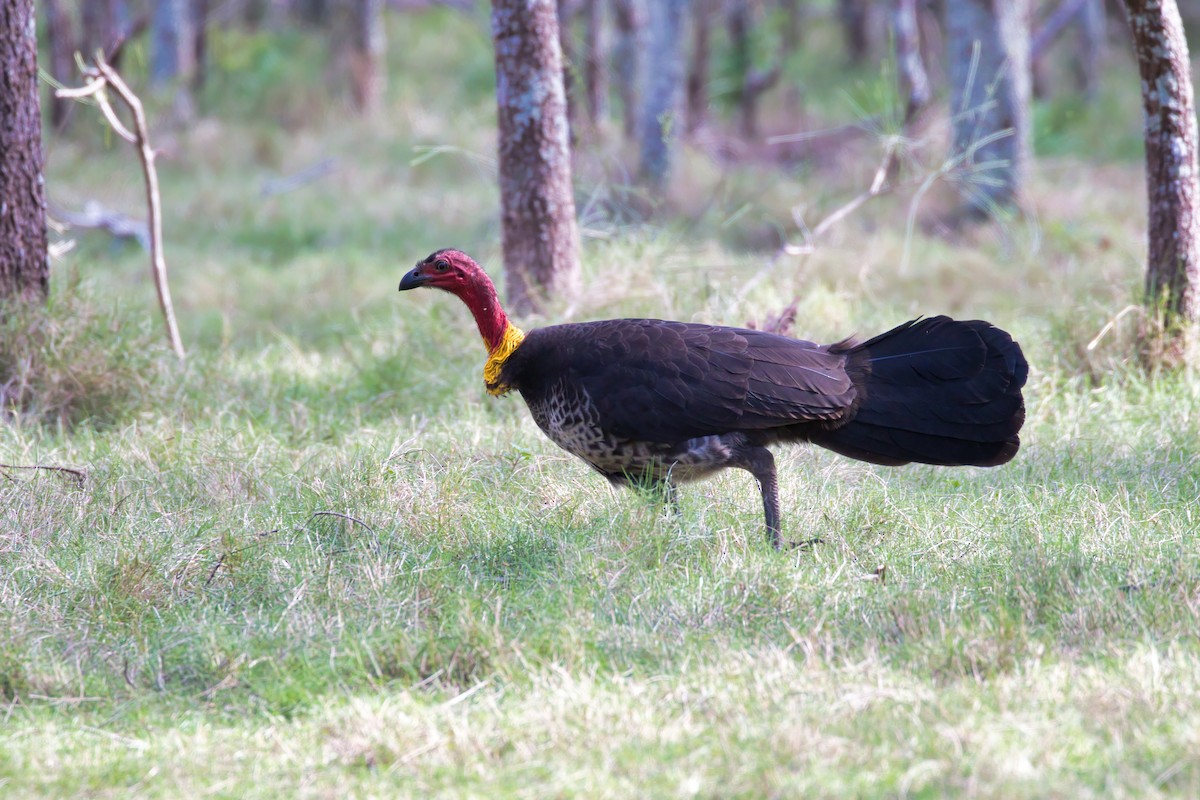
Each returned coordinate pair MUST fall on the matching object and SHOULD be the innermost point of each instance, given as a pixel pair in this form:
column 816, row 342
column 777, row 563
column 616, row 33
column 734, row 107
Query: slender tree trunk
column 540, row 237
column 626, row 54
column 358, row 45
column 988, row 43
column 172, row 54
column 663, row 82
column 595, row 76
column 1089, row 55
column 914, row 80
column 566, row 46
column 698, row 66
column 752, row 82
column 60, row 41
column 200, row 14
column 854, row 16
column 1173, row 264
column 24, row 264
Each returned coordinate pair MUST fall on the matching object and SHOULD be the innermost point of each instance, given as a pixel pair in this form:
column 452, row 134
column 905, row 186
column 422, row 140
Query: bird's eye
column 441, row 265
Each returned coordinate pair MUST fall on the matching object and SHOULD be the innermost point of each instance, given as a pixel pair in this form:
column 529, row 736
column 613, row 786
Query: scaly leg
column 760, row 463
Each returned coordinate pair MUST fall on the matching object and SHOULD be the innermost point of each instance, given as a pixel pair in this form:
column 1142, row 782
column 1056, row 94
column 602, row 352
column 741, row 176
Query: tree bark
column 988, row 44
column 663, row 84
column 1173, row 263
column 914, row 80
column 24, row 263
column 540, row 237
column 627, row 19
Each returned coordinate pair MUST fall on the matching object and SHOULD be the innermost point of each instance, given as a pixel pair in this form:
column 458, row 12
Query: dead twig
column 79, row 476
column 100, row 78
column 879, row 185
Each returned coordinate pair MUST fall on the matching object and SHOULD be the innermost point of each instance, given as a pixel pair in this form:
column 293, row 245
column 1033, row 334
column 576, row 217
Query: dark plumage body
column 669, row 402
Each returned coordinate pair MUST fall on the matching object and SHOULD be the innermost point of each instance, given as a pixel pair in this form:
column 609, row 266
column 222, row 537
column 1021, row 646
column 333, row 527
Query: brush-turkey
column 645, row 400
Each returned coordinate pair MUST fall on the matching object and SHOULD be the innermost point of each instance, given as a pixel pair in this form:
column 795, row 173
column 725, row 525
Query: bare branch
column 142, row 140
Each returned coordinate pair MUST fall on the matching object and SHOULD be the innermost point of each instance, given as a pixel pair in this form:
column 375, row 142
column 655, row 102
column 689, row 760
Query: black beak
column 413, row 280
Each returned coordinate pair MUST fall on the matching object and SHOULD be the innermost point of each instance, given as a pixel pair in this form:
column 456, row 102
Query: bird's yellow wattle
column 509, row 342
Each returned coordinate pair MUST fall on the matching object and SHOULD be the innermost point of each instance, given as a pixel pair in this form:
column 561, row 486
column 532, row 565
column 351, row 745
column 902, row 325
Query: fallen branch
column 305, row 176
column 95, row 216
column 78, row 475
column 99, row 78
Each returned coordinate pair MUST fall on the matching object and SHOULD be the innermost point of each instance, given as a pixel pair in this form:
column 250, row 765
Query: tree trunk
column 106, row 24
column 663, row 82
column 595, row 77
column 751, row 82
column 626, row 53
column 565, row 9
column 24, row 264
column 200, row 13
column 914, row 80
column 1089, row 55
column 540, row 238
column 988, row 44
column 172, row 54
column 854, row 16
column 1173, row 265
column 698, row 67
column 358, row 45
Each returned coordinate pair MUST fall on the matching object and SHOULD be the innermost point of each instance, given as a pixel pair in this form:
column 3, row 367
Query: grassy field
column 318, row 561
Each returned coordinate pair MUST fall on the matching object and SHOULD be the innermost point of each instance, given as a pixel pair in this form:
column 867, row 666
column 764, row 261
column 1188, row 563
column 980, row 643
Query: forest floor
column 317, row 560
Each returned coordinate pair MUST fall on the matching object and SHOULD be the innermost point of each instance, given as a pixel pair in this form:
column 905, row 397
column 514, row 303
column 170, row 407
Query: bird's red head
column 448, row 269
column 456, row 272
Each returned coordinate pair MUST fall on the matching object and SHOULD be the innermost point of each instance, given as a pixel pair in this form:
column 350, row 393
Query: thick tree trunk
column 663, row 84
column 24, row 264
column 1173, row 265
column 626, row 52
column 540, row 237
column 914, row 80
column 988, row 44
column 358, row 45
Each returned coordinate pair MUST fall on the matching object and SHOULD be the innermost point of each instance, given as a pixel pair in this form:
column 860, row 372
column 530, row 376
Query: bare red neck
column 481, row 298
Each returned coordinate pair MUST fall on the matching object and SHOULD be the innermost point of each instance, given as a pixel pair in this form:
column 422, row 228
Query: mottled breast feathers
column 653, row 380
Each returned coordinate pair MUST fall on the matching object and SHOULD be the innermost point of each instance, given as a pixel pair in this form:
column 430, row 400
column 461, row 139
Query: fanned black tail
column 936, row 391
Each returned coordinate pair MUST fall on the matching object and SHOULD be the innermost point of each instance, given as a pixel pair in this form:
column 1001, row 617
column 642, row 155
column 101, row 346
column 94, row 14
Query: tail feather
column 936, row 391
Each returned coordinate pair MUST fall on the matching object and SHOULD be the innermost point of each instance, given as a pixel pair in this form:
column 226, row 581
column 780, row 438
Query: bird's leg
column 760, row 463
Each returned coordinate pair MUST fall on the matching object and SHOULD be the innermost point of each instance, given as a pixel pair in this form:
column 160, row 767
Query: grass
column 317, row 560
